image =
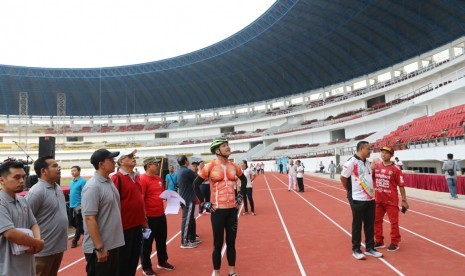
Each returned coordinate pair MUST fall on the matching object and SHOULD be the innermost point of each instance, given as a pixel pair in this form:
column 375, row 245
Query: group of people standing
column 295, row 172
column 372, row 192
column 38, row 221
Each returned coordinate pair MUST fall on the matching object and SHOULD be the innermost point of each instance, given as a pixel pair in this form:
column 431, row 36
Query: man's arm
column 243, row 184
column 16, row 236
column 345, row 183
column 94, row 233
column 197, row 182
column 404, row 197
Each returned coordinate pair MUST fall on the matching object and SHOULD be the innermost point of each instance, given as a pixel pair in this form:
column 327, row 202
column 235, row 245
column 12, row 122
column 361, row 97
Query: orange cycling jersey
column 222, row 182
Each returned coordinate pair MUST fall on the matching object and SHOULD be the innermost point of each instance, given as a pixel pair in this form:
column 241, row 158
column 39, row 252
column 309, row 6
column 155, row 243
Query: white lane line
column 168, row 242
column 413, row 211
column 296, row 256
column 139, row 266
column 410, row 198
column 340, row 227
column 223, row 250
column 437, row 204
column 403, row 228
column 71, row 264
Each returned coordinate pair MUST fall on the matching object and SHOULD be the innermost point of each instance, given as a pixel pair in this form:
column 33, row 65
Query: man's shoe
column 373, row 252
column 357, row 253
column 393, row 247
column 189, row 245
column 149, row 272
column 197, row 241
column 166, row 266
column 379, row 245
column 74, row 244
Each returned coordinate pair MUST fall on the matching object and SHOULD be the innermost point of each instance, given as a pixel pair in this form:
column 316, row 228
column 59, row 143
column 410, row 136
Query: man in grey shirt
column 450, row 167
column 48, row 205
column 100, row 206
column 15, row 218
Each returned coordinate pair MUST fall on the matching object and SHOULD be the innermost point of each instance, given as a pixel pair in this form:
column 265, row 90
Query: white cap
column 125, row 152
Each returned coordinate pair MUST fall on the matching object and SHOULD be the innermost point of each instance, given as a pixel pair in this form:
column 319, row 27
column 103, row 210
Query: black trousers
column 224, row 220
column 300, row 183
column 363, row 212
column 77, row 225
column 159, row 229
column 108, row 268
column 205, row 190
column 248, row 196
column 130, row 251
column 188, row 226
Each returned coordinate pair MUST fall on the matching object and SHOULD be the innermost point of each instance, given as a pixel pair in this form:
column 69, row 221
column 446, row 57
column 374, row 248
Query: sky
column 106, row 33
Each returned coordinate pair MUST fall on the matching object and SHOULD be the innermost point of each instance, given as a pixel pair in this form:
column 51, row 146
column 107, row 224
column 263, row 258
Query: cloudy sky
column 102, row 33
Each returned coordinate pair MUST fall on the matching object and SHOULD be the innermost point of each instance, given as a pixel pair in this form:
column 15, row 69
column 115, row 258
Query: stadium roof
column 294, row 47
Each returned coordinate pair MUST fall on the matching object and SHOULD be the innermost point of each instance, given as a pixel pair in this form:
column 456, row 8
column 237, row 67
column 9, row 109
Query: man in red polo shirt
column 132, row 211
column 386, row 178
column 152, row 187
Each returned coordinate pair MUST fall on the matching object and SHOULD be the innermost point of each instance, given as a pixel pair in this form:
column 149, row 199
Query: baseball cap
column 125, row 152
column 151, row 159
column 388, row 149
column 102, row 154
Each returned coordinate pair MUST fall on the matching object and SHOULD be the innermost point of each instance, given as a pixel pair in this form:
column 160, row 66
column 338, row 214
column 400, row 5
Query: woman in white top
column 250, row 175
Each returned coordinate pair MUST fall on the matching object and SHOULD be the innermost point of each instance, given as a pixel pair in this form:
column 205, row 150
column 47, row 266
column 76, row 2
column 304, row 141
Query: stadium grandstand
column 306, row 80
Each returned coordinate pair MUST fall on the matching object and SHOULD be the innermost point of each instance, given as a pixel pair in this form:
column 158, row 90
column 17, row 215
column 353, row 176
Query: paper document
column 146, row 233
column 173, row 201
column 17, row 249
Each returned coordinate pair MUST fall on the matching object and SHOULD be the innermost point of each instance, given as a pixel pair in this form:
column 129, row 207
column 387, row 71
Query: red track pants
column 393, row 215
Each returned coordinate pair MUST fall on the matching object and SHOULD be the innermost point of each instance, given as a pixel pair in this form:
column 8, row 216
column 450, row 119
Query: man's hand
column 102, row 256
column 208, row 206
column 238, row 200
column 405, row 204
column 39, row 245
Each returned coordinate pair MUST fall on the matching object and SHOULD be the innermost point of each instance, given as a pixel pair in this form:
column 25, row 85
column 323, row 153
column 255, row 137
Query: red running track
column 309, row 233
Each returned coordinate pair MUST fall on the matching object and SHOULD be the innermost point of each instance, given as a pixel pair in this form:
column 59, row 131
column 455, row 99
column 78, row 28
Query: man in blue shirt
column 171, row 179
column 76, row 186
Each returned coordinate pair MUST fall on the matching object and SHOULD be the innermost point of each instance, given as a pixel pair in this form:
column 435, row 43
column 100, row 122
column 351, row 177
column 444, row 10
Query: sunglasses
column 130, row 156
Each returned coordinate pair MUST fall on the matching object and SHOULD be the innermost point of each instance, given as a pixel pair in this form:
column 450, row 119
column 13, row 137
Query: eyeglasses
column 130, row 156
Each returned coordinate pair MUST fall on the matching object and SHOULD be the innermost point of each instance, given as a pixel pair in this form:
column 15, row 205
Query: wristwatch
column 100, row 249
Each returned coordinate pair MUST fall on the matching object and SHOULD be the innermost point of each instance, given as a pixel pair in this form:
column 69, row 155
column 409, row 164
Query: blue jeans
column 451, row 183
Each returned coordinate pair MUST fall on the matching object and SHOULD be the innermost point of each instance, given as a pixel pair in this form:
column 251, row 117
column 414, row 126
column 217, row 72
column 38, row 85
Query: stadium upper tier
column 296, row 46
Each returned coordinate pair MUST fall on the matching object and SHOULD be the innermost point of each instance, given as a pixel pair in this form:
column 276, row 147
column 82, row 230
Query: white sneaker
column 373, row 252
column 189, row 245
column 357, row 253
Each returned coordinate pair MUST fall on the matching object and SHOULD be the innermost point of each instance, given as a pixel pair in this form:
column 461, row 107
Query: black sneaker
column 393, row 247
column 166, row 266
column 379, row 245
column 74, row 244
column 149, row 272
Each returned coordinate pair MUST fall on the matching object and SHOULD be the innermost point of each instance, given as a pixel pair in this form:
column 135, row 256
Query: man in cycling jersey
column 224, row 202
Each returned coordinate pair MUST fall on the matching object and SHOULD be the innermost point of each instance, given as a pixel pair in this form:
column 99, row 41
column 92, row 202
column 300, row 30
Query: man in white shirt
column 356, row 178
column 292, row 171
column 332, row 169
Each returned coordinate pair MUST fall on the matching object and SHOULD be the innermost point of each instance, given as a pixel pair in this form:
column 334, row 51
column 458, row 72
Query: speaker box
column 47, row 146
